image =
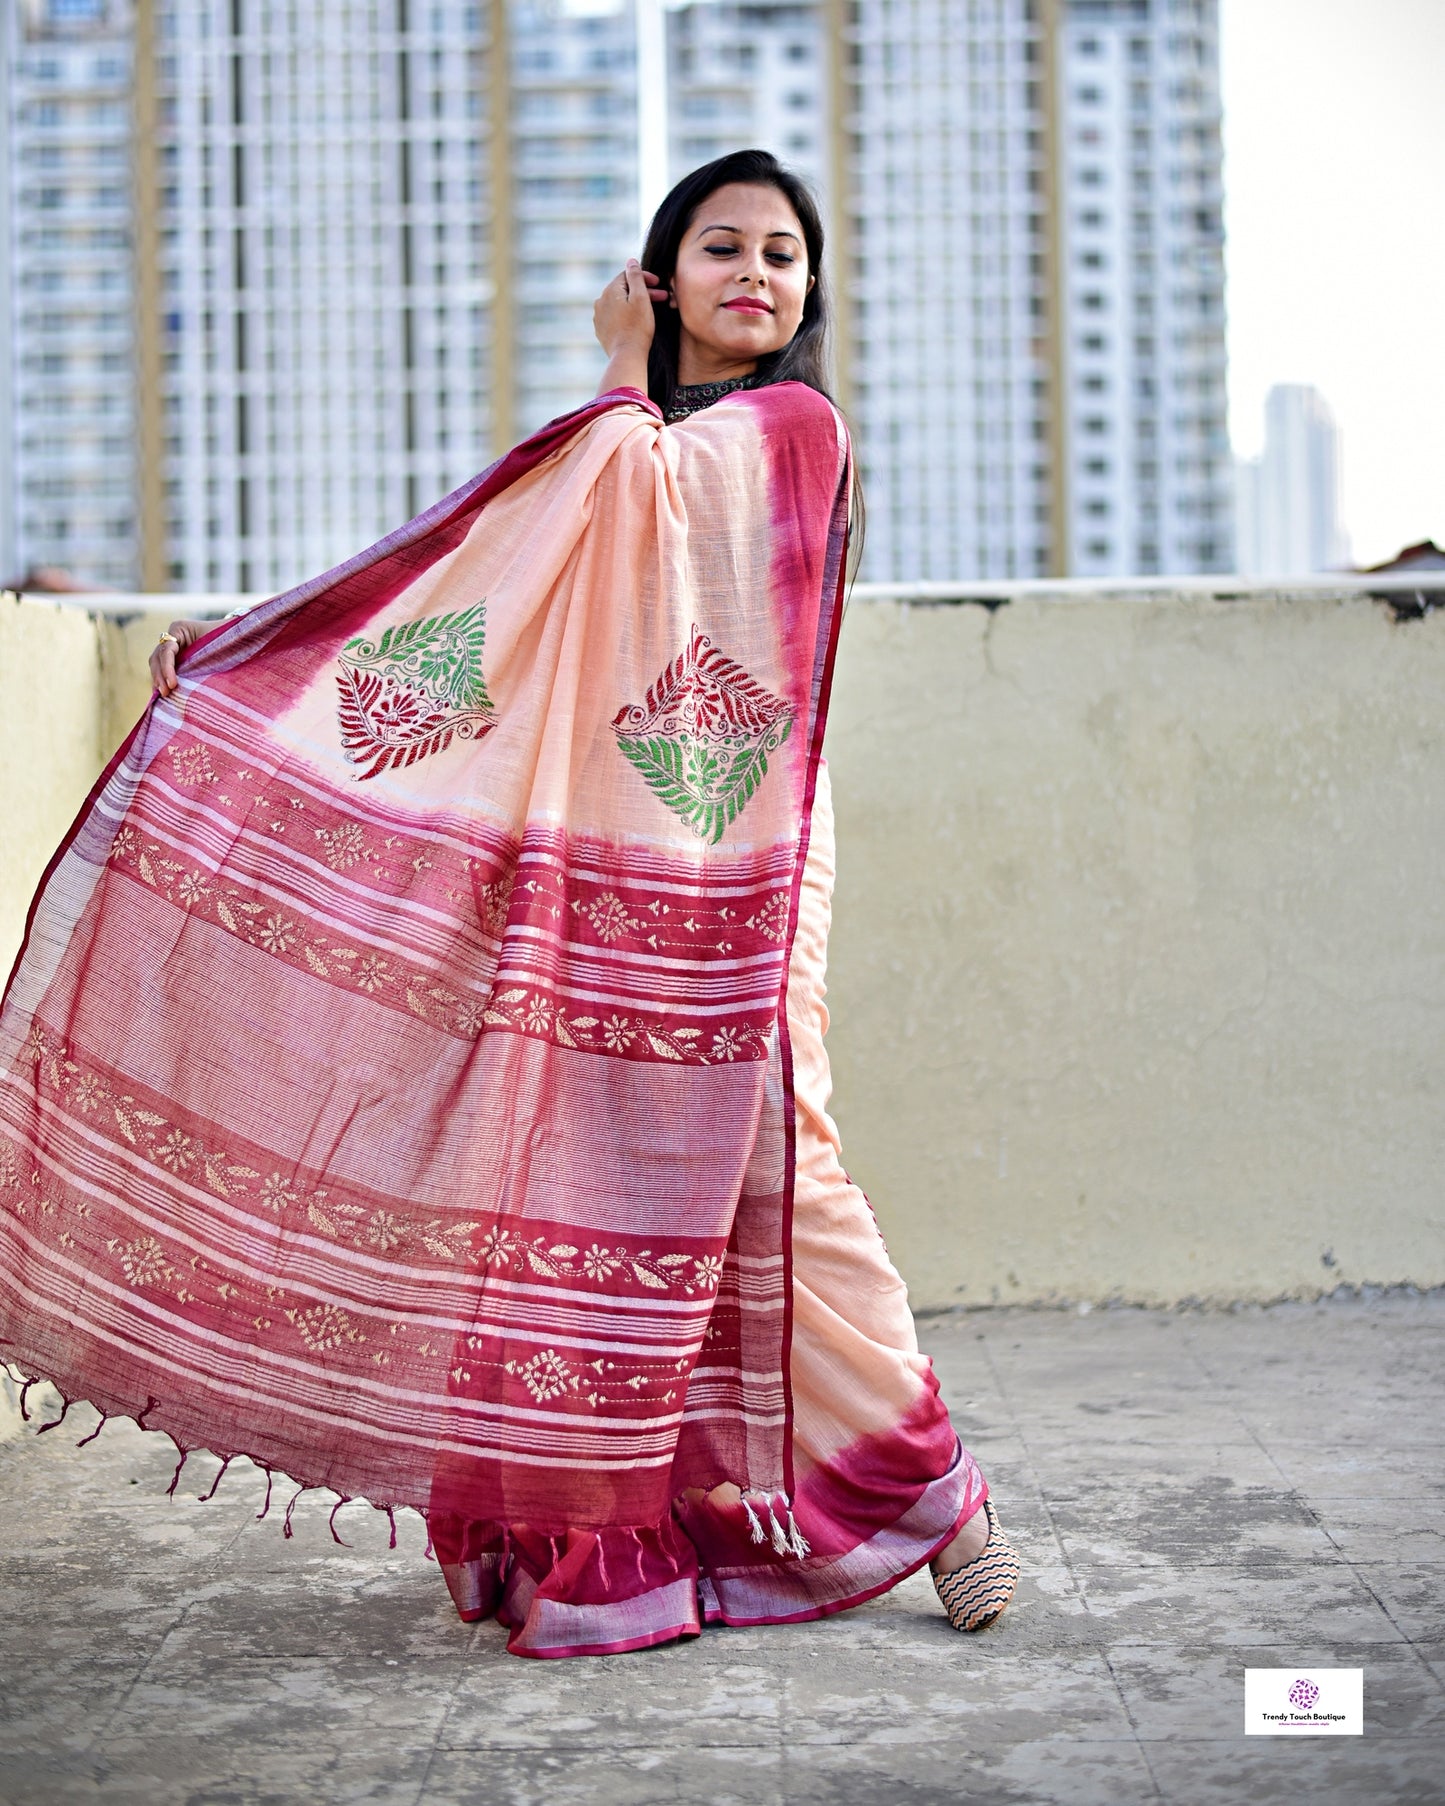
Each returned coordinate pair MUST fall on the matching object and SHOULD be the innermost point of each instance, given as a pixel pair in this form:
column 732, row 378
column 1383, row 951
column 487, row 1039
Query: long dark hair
column 804, row 358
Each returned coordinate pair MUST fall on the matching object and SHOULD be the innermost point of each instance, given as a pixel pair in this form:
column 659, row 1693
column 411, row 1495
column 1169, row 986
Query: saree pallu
column 400, row 1081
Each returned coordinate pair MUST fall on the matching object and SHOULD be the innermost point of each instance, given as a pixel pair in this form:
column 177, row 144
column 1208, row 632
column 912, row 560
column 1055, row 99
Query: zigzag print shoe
column 975, row 1594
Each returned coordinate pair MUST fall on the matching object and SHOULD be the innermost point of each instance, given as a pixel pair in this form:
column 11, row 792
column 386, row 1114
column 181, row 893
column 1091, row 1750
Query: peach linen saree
column 413, row 1077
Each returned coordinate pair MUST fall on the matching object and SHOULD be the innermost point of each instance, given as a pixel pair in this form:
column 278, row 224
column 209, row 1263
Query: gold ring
column 168, row 636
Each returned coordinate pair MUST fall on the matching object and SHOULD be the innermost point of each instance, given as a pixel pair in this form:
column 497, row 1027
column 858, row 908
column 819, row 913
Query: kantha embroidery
column 702, row 736
column 369, row 1227
column 405, row 695
column 394, row 983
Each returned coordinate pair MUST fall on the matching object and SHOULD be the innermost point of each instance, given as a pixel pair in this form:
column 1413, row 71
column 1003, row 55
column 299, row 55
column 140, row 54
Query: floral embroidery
column 499, row 1247
column 192, row 765
column 609, row 916
column 176, row 1152
column 771, row 919
column 276, row 934
column 493, row 904
column 397, row 984
column 535, row 1013
column 372, row 973
column 191, row 889
column 545, row 1376
column 653, row 1272
column 345, row 844
column 404, row 696
column 702, row 736
column 277, row 1193
column 144, row 1262
column 600, row 1263
column 323, row 1326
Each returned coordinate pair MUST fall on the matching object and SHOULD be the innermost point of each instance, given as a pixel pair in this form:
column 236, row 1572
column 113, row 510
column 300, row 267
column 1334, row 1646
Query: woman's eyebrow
column 782, row 231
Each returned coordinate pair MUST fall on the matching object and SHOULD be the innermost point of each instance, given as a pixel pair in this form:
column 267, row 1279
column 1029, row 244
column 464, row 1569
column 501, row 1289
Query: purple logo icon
column 1303, row 1694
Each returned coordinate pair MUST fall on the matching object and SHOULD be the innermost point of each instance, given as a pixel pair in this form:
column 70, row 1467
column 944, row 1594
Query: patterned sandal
column 975, row 1594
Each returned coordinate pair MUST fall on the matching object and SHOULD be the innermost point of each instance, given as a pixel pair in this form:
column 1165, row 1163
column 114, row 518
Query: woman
column 413, row 1079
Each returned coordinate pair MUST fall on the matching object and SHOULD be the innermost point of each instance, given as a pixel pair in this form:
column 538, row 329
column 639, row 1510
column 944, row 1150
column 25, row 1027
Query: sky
column 1334, row 148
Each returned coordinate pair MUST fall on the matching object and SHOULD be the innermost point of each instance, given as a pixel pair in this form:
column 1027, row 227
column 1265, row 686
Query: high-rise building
column 749, row 74
column 946, row 358
column 572, row 144
column 1289, row 497
column 67, row 382
column 368, row 235
column 1148, row 485
column 1036, row 319
column 324, row 283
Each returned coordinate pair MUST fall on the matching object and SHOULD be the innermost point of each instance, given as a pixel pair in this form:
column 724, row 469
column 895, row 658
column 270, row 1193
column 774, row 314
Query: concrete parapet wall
column 1138, row 962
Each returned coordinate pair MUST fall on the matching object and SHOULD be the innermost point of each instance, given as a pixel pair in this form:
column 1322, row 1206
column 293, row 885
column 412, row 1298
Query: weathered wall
column 1138, row 966
column 50, row 710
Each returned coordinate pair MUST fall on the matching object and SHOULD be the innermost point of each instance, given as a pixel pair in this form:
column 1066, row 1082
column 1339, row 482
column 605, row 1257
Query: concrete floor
column 1191, row 1493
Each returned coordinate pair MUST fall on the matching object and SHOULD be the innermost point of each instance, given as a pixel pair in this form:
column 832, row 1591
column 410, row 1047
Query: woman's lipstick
column 746, row 305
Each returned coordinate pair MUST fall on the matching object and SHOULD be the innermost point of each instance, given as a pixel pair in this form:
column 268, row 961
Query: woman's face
column 740, row 282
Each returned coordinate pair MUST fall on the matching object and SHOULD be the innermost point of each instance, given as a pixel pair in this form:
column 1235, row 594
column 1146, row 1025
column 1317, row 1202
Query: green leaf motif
column 440, row 656
column 705, row 782
column 406, row 695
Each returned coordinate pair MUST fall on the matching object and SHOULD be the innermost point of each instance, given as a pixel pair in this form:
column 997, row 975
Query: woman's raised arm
column 622, row 320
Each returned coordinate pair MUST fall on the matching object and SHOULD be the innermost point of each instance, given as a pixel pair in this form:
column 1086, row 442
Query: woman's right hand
column 163, row 659
column 622, row 313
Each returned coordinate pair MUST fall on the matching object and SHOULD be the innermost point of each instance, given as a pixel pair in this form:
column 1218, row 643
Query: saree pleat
column 413, row 1077
column 881, row 1481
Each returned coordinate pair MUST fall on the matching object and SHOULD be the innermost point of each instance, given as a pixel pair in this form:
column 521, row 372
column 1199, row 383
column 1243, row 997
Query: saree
column 400, row 1080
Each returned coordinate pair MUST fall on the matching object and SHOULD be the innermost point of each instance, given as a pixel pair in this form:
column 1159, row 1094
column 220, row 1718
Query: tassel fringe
column 778, row 1508
column 286, row 1529
column 64, row 1407
column 104, row 1420
column 205, row 1496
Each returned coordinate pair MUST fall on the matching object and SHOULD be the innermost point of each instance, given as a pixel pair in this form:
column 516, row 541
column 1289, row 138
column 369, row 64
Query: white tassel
column 797, row 1542
column 753, row 1525
column 780, row 1541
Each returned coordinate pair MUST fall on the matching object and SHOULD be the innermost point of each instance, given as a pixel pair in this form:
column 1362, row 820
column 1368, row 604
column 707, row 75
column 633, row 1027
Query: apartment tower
column 68, row 469
column 317, row 264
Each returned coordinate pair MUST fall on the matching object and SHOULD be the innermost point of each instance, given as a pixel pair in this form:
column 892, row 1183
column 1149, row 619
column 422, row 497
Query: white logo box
column 1304, row 1702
